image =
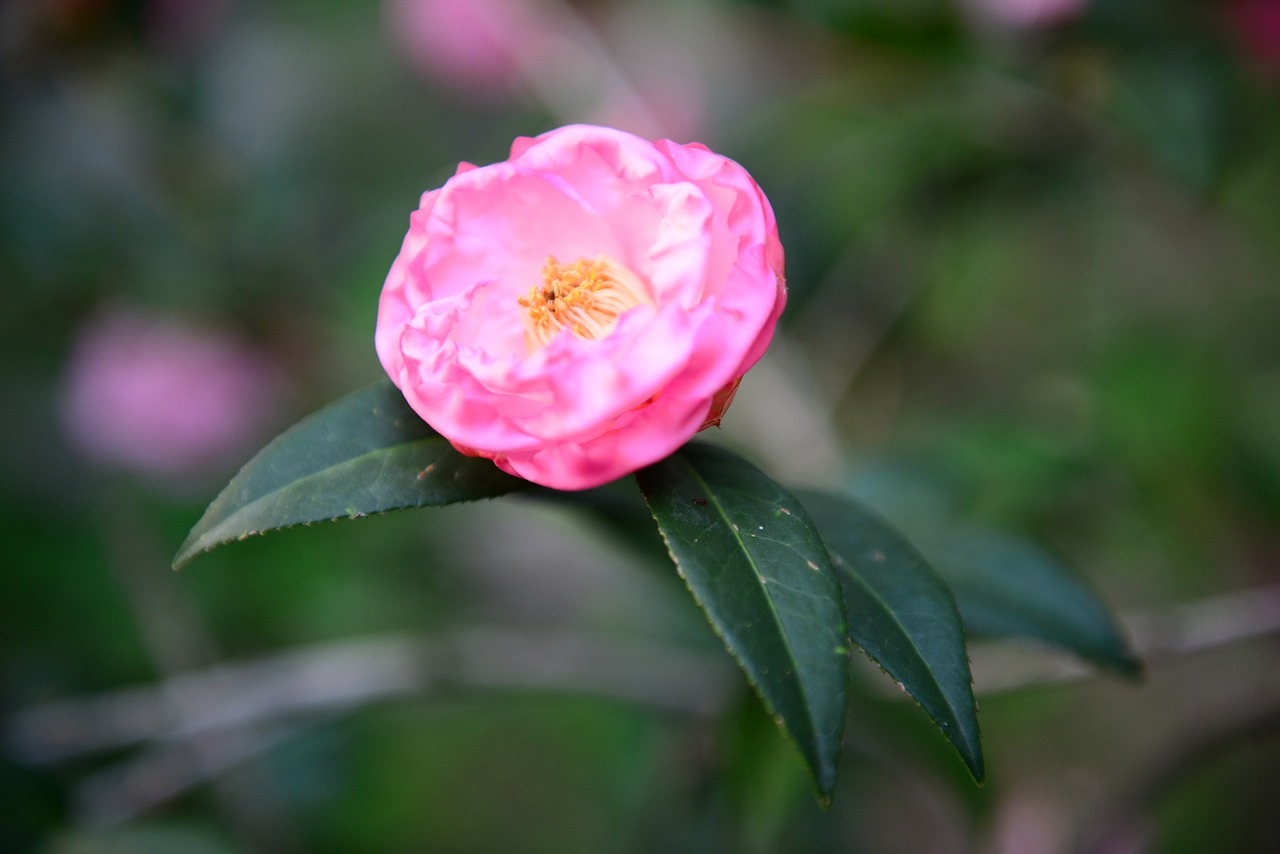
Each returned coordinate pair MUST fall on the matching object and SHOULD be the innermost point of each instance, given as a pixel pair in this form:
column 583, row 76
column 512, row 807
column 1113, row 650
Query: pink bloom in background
column 1257, row 26
column 1028, row 14
column 482, row 45
column 580, row 310
column 163, row 399
column 550, row 53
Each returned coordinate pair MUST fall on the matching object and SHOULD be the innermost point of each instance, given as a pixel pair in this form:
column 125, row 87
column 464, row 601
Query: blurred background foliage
column 1032, row 252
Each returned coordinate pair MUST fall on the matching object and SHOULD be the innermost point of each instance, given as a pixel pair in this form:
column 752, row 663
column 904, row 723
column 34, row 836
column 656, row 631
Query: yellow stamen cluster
column 587, row 297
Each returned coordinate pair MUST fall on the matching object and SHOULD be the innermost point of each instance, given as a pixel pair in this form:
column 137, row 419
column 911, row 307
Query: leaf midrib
column 737, row 535
column 185, row 556
column 916, row 649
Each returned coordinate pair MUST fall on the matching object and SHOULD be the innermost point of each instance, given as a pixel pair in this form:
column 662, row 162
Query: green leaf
column 757, row 567
column 903, row 616
column 1008, row 586
column 367, row 453
column 1179, row 103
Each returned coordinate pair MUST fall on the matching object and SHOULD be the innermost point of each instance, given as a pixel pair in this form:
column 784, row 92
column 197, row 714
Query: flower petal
column 593, row 404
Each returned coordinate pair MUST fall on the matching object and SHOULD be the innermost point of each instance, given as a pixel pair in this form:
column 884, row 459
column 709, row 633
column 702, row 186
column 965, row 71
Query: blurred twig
column 165, row 770
column 1157, row 636
column 349, row 674
column 177, row 642
column 231, row 713
column 1125, row 823
column 559, row 88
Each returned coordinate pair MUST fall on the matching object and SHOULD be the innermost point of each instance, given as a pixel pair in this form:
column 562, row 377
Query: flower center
column 586, row 297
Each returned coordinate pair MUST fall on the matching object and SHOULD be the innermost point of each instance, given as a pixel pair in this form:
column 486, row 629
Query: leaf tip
column 825, row 778
column 198, row 542
column 187, row 552
column 970, row 752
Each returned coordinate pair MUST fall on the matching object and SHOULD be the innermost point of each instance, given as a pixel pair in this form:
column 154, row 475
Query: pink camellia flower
column 164, row 399
column 581, row 309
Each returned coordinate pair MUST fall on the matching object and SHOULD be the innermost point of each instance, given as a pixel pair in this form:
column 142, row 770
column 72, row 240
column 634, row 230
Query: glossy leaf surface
column 367, row 453
column 1008, row 586
column 903, row 616
column 756, row 565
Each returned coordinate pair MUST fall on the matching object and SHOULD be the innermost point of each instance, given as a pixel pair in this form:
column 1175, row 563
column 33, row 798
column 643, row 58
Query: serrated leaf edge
column 840, row 563
column 825, row 788
column 979, row 772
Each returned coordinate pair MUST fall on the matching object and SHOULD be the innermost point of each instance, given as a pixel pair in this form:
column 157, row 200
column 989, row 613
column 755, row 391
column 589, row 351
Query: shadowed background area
column 1031, row 249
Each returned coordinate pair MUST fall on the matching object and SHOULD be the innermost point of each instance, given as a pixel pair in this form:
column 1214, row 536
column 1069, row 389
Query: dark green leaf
column 903, row 616
column 756, row 565
column 367, row 453
column 1179, row 102
column 1007, row 586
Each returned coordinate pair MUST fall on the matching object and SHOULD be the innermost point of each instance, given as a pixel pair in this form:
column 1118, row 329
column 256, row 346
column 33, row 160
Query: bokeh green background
column 1033, row 283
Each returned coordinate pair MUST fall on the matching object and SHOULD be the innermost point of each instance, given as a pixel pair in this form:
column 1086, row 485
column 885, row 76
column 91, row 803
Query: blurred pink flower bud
column 481, row 45
column 1027, row 14
column 1257, row 27
column 580, row 310
column 163, row 399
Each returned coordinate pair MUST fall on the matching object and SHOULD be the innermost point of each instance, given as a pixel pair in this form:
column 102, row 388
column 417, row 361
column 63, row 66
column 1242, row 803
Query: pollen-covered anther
column 586, row 297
